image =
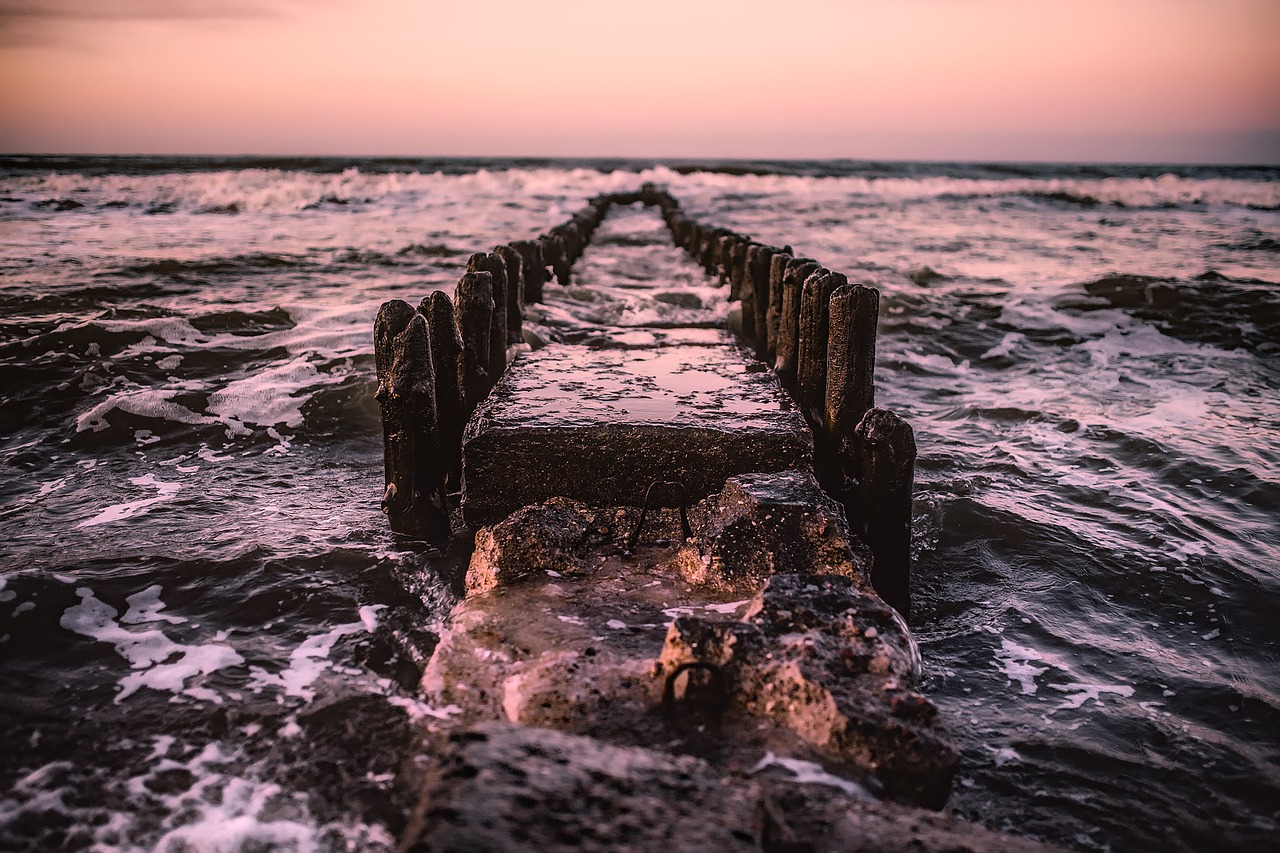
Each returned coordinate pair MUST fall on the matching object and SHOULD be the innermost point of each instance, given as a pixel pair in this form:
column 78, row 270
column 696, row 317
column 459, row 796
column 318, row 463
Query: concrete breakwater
column 677, row 628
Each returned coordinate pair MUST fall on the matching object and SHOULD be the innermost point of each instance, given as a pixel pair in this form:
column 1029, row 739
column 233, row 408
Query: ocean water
column 208, row 635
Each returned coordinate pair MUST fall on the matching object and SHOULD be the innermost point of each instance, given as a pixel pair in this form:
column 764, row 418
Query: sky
column 1084, row 80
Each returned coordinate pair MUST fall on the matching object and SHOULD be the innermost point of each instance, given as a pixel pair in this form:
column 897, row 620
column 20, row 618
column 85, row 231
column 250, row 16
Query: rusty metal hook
column 644, row 510
column 718, row 682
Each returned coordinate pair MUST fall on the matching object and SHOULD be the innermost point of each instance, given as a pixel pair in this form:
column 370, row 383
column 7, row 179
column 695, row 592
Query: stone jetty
column 684, row 623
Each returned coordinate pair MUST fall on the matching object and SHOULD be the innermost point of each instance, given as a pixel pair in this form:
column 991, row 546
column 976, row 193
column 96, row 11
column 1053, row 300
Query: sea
column 209, row 637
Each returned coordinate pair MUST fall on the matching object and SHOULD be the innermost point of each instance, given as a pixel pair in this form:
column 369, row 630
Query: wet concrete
column 600, row 425
column 514, row 789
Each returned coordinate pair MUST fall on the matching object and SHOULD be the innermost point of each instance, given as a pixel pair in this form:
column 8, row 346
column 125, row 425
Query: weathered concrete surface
column 501, row 787
column 837, row 667
column 766, row 524
column 600, row 425
column 543, row 538
column 584, row 637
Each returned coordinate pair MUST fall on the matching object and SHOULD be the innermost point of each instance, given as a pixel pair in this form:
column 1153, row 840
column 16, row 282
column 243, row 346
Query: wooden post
column 887, row 455
column 473, row 309
column 446, row 351
column 572, row 238
column 710, row 241
column 533, row 268
column 737, row 268
column 497, row 268
column 757, row 275
column 811, row 357
column 798, row 269
column 747, row 293
column 851, row 364
column 773, row 315
column 554, row 252
column 515, row 292
column 414, row 499
column 723, row 248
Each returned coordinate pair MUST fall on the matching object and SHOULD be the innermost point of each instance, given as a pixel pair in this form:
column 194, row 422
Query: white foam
column 306, row 663
column 369, row 616
column 812, row 773
column 267, row 397
column 1081, row 693
column 1006, row 346
column 727, row 607
column 147, row 651
column 51, row 486
column 418, row 709
column 165, row 491
column 145, row 606
column 1005, row 755
column 1017, row 663
column 143, row 402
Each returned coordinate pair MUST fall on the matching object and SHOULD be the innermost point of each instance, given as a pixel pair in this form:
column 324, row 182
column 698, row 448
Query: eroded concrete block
column 600, row 426
column 534, row 539
column 837, row 667
column 500, row 787
column 760, row 525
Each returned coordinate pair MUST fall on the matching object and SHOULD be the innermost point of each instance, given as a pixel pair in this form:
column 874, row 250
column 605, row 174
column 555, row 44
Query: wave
column 174, row 267
column 240, row 191
column 1211, row 308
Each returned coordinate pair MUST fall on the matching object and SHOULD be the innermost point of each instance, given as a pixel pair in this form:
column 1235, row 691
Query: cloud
column 38, row 23
column 12, row 11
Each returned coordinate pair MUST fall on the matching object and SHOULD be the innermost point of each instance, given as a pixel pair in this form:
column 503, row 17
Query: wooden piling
column 414, row 497
column 446, row 351
column 723, row 248
column 473, row 309
column 572, row 238
column 773, row 314
column 811, row 356
column 747, row 293
column 887, row 454
column 708, row 249
column 533, row 268
column 515, row 292
column 797, row 270
column 756, row 281
column 851, row 364
column 497, row 268
column 737, row 270
column 553, row 251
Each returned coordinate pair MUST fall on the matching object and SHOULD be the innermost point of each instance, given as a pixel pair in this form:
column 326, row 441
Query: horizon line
column 660, row 159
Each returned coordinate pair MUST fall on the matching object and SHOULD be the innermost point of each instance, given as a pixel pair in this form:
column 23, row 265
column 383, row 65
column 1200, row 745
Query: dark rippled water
column 205, row 624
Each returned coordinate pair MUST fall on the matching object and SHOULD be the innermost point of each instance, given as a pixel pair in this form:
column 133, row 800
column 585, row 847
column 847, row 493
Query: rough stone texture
column 512, row 788
column 537, row 538
column 697, row 414
column 766, row 524
column 571, row 650
column 414, row 469
column 818, row 668
column 837, row 667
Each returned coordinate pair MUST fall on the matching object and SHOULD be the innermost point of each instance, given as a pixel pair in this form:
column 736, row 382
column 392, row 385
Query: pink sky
column 1154, row 80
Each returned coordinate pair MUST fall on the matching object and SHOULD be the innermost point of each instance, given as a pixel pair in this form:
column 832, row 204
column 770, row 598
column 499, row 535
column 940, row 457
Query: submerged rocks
column 817, row 656
column 566, row 630
column 768, row 523
column 541, row 538
column 509, row 788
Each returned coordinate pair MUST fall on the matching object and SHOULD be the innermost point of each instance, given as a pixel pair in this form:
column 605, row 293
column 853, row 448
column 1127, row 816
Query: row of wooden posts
column 814, row 327
column 437, row 362
column 818, row 332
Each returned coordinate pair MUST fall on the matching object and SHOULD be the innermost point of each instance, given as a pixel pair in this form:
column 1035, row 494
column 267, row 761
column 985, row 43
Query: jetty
column 684, row 621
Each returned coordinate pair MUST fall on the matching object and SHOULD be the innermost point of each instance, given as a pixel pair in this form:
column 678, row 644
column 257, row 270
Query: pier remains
column 684, row 624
